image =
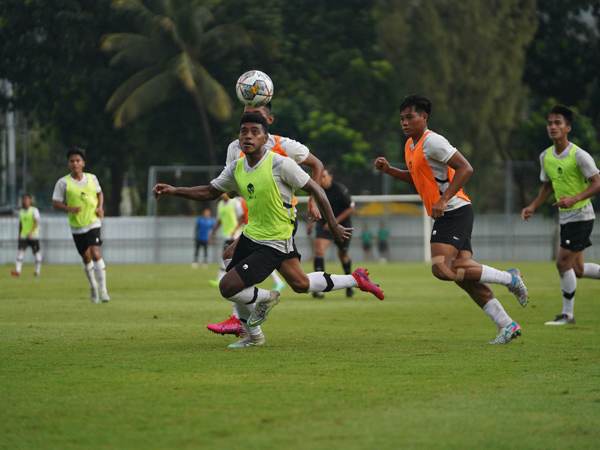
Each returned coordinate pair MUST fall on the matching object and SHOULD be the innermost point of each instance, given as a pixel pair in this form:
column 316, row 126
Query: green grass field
column 413, row 371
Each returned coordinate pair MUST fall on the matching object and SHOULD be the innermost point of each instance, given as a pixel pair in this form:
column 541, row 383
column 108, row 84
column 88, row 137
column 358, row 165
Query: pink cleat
column 365, row 284
column 14, row 273
column 230, row 326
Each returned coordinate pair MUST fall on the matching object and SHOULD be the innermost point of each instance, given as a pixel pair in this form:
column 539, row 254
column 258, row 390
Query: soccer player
column 80, row 195
column 439, row 172
column 29, row 228
column 341, row 202
column 383, row 233
column 367, row 241
column 204, row 224
column 267, row 181
column 230, row 219
column 571, row 174
column 301, row 155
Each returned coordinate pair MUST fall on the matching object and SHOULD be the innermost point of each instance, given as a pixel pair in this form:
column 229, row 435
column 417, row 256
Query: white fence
column 170, row 239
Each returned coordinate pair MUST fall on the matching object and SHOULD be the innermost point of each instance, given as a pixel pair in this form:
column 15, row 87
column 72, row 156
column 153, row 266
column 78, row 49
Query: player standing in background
column 341, row 202
column 267, row 181
column 204, row 224
column 571, row 173
column 383, row 233
column 439, row 172
column 301, row 155
column 80, row 195
column 29, row 228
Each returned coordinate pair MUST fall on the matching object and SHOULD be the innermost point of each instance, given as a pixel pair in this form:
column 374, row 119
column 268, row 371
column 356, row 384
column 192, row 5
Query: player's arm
column 338, row 232
column 20, row 228
column 592, row 189
column 544, row 194
column 100, row 208
column 36, row 223
column 63, row 207
column 213, row 231
column 197, row 193
column 383, row 166
column 316, row 170
column 462, row 172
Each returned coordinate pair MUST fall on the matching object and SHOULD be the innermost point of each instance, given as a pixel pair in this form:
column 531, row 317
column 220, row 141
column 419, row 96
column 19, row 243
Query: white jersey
column 437, row 152
column 287, row 175
column 60, row 195
column 588, row 168
column 294, row 149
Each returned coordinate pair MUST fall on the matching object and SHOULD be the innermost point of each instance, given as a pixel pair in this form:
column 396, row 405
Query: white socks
column 19, row 261
column 244, row 302
column 38, row 262
column 223, row 269
column 100, row 270
column 491, row 275
column 89, row 273
column 324, row 282
column 276, row 278
column 568, row 284
column 495, row 311
column 591, row 270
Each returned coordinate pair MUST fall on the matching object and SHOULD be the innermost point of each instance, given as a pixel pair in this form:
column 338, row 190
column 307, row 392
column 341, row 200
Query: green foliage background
column 340, row 69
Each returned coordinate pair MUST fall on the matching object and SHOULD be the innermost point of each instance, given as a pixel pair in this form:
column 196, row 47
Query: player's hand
column 314, row 215
column 438, row 209
column 565, row 202
column 29, row 236
column 341, row 233
column 100, row 213
column 74, row 209
column 325, row 227
column 527, row 212
column 161, row 189
column 382, row 165
column 309, row 228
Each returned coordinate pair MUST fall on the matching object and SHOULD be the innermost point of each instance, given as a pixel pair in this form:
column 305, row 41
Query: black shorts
column 90, row 239
column 575, row 236
column 325, row 234
column 255, row 262
column 454, row 228
column 367, row 246
column 383, row 246
column 33, row 243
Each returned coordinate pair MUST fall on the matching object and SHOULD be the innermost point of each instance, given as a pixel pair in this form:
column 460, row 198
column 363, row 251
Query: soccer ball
column 254, row 89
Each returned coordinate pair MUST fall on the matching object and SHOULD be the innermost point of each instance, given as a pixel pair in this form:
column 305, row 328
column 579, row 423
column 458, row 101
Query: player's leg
column 204, row 245
column 228, row 250
column 95, row 241
column 37, row 255
column 197, row 244
column 301, row 282
column 344, row 256
column 321, row 244
column 22, row 246
column 565, row 263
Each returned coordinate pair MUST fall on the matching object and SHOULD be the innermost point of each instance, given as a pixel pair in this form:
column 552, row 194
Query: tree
column 166, row 55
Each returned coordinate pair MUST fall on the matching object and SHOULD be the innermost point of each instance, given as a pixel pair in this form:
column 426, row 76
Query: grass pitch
column 413, row 371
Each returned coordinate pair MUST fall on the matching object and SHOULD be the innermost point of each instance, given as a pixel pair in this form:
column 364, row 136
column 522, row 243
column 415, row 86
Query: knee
column 300, row 286
column 226, row 289
column 440, row 273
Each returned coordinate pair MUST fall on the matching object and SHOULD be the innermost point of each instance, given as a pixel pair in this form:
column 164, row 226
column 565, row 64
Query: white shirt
column 287, row 174
column 437, row 152
column 60, row 195
column 587, row 166
column 294, row 149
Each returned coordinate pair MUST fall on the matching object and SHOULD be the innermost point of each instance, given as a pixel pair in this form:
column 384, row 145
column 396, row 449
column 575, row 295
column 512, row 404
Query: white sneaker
column 94, row 295
column 249, row 341
column 562, row 319
column 104, row 297
column 194, row 265
column 262, row 309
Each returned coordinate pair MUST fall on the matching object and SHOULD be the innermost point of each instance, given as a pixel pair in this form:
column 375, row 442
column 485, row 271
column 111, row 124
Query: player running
column 267, row 182
column 439, row 172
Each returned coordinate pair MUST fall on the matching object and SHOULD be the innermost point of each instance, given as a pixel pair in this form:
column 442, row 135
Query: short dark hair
column 564, row 111
column 76, row 151
column 421, row 104
column 27, row 195
column 255, row 118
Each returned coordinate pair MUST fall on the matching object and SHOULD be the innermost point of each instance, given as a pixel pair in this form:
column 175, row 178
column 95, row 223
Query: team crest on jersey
column 560, row 171
column 82, row 196
column 250, row 188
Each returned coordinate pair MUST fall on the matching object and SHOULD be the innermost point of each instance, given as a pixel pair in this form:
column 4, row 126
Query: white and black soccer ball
column 254, row 88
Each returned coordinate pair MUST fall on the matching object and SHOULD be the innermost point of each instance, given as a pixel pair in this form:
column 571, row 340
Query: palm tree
column 167, row 56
